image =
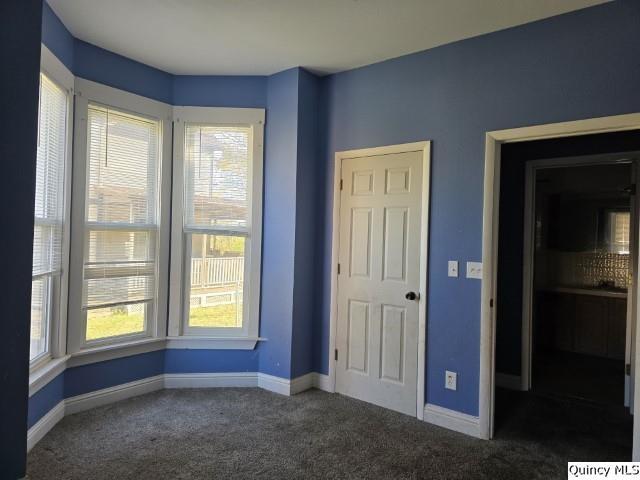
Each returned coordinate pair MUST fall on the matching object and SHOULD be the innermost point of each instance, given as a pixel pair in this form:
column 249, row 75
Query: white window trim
column 179, row 335
column 51, row 66
column 85, row 92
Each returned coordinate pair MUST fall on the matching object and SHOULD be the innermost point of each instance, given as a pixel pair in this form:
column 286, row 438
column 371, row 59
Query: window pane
column 217, row 277
column 114, row 321
column 216, row 176
column 120, row 261
column 39, row 317
column 48, row 211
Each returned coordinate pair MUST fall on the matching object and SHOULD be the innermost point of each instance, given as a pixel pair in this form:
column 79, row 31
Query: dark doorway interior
column 581, row 277
column 578, row 338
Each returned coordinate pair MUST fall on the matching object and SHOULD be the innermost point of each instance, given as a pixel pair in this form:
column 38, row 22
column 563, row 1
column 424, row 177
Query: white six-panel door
column 379, row 257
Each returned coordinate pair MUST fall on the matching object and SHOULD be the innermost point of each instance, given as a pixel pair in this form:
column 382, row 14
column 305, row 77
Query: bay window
column 122, row 279
column 121, row 223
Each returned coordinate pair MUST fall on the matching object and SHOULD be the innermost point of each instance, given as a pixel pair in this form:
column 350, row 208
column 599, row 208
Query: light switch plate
column 450, row 380
column 453, row 268
column 474, row 270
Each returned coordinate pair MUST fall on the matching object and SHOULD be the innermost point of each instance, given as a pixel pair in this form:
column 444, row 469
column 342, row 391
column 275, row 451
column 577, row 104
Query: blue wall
column 45, row 399
column 96, row 376
column 204, row 361
column 56, row 36
column 305, row 300
column 95, row 63
column 220, row 91
column 579, row 65
column 278, row 236
column 20, row 58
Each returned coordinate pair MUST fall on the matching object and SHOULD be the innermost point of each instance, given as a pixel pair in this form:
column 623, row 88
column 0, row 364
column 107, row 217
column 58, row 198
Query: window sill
column 213, row 343
column 113, row 351
column 46, row 372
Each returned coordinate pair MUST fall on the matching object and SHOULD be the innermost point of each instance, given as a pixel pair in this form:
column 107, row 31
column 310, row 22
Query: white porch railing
column 213, row 272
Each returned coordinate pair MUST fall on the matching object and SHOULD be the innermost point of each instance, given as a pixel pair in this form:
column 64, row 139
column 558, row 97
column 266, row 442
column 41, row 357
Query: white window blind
column 47, row 237
column 49, row 210
column 121, row 210
column 217, row 171
column 620, row 231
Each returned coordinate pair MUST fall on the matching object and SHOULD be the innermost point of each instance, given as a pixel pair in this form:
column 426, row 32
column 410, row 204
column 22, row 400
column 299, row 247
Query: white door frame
column 531, row 170
column 425, row 148
column 490, row 246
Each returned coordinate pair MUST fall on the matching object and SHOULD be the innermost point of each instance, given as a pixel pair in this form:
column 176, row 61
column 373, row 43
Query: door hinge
column 340, row 184
column 336, row 354
column 491, row 303
column 627, row 369
column 338, row 269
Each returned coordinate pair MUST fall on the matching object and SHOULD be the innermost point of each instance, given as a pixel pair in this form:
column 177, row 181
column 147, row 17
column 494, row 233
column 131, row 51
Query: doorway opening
column 565, row 302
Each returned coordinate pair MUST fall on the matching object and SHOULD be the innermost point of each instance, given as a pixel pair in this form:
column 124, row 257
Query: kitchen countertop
column 594, row 291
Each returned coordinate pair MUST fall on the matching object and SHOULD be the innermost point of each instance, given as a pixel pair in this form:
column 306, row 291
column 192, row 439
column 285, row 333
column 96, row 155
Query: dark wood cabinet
column 564, row 322
column 617, row 328
column 590, row 325
column 587, row 324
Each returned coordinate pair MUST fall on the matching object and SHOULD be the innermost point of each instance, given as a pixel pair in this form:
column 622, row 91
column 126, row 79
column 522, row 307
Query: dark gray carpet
column 251, row 433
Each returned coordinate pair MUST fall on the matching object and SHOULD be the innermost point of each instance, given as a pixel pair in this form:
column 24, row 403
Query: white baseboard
column 210, row 380
column 457, row 421
column 323, row 382
column 274, row 384
column 105, row 396
column 302, row 383
column 509, row 381
column 46, row 423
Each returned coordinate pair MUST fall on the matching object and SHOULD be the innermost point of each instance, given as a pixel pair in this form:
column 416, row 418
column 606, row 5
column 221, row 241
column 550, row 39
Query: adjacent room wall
column 20, row 29
column 580, row 65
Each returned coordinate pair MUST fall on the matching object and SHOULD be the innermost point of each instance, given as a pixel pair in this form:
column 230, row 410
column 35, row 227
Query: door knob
column 412, row 296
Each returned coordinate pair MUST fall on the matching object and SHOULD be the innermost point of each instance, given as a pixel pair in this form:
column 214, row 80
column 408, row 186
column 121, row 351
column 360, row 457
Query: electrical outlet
column 474, row 270
column 453, row 268
column 450, row 380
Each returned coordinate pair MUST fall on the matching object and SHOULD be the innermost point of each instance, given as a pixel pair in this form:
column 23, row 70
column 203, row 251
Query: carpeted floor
column 252, row 433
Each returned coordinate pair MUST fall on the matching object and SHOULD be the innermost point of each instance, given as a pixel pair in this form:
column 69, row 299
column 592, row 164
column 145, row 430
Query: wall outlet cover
column 474, row 270
column 452, row 268
column 450, row 380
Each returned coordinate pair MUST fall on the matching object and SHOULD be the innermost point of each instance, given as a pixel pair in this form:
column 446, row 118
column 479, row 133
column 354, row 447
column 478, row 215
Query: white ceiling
column 261, row 37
